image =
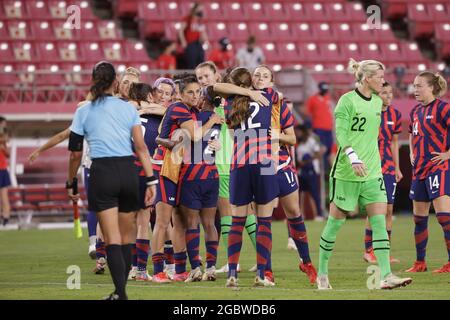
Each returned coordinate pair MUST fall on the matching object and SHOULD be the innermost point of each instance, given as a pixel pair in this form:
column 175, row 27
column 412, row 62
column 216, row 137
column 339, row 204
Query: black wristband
column 69, row 185
column 150, row 181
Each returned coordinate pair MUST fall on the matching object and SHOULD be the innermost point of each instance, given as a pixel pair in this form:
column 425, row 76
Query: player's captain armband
column 172, row 164
column 75, row 142
column 351, row 154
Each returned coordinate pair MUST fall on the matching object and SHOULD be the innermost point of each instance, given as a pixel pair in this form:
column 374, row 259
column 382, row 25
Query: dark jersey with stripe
column 390, row 125
column 199, row 160
column 430, row 129
column 149, row 124
column 286, row 121
column 252, row 144
column 176, row 114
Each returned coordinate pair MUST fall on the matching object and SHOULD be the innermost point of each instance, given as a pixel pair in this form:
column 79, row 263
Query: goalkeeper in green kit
column 356, row 178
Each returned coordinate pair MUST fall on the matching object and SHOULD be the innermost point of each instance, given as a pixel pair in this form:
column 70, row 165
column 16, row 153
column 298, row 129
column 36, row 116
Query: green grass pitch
column 33, row 265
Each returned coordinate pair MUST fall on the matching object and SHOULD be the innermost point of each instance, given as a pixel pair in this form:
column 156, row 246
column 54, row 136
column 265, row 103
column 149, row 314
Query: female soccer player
column 208, row 75
column 356, row 176
column 5, row 181
column 429, row 139
column 109, row 124
column 283, row 131
column 178, row 116
column 198, row 192
column 390, row 128
column 252, row 176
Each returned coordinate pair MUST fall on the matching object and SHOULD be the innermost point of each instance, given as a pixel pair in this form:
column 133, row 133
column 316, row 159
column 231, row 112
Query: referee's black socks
column 127, row 258
column 117, row 268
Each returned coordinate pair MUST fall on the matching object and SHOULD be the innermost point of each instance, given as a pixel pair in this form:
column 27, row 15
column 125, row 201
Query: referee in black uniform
column 110, row 126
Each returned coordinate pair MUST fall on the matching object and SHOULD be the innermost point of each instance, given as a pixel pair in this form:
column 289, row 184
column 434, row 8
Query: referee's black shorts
column 113, row 182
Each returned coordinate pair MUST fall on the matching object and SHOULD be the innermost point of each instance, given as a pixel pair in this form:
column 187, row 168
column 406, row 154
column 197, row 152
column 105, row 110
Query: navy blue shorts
column 391, row 187
column 287, row 182
column 199, row 194
column 253, row 182
column 435, row 185
column 166, row 190
column 5, row 181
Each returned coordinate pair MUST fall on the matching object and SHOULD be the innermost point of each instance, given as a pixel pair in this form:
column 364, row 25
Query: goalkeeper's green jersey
column 223, row 156
column 357, row 121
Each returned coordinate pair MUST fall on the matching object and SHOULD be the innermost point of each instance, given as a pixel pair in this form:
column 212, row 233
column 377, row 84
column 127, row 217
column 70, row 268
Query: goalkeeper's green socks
column 225, row 226
column 327, row 241
column 380, row 243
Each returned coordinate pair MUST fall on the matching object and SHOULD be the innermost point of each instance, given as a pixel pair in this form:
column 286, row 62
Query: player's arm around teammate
column 430, row 153
column 109, row 124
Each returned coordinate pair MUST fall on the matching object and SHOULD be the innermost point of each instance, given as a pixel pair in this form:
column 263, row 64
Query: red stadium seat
column 384, row 34
column 19, row 30
column 233, row 11
column 302, row 31
column 418, row 12
column 4, row 34
column 254, row 11
column 277, row 11
column 342, row 31
column 38, row 9
column 48, row 51
column 213, row 11
column 337, row 12
column 395, row 10
column 239, row 31
column 330, row 52
column 438, row 11
column 13, row 11
column 175, row 11
column 152, row 29
column 6, row 52
column 114, row 51
column 280, row 31
column 260, row 30
column 88, row 31
column 356, row 12
column 288, row 51
column 150, row 10
column 108, row 30
column 126, row 9
column 309, row 52
column 322, row 31
column 42, row 30
column 61, row 32
column 217, row 30
column 58, row 9
column 136, row 51
column 171, row 31
column 442, row 31
column 91, row 51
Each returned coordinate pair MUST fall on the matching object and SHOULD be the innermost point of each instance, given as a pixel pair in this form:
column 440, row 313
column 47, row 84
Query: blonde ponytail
column 364, row 69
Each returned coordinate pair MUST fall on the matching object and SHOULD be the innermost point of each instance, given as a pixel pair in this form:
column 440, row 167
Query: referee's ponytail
column 103, row 76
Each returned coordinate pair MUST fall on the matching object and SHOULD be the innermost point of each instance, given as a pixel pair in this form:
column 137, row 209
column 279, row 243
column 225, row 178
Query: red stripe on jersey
column 194, row 171
column 205, row 173
column 163, row 189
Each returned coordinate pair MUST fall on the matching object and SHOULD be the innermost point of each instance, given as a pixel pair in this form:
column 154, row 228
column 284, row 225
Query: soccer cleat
column 259, row 282
column 132, row 273
column 92, row 252
column 180, row 277
column 224, row 269
column 253, row 269
column 310, row 271
column 112, row 296
column 143, row 276
column 419, row 266
column 160, row 278
column 210, row 274
column 445, row 268
column 370, row 257
column 170, row 270
column 194, row 275
column 323, row 283
column 269, row 276
column 232, row 282
column 291, row 244
column 391, row 281
column 100, row 266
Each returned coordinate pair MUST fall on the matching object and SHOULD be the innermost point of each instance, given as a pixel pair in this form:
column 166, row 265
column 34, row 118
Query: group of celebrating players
column 223, row 143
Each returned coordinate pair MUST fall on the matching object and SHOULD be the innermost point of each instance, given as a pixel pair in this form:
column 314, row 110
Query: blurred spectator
column 167, row 61
column 222, row 56
column 319, row 109
column 5, row 181
column 250, row 56
column 192, row 35
column 308, row 152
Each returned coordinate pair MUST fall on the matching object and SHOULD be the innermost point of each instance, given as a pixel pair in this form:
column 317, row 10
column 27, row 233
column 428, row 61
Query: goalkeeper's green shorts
column 224, row 186
column 346, row 195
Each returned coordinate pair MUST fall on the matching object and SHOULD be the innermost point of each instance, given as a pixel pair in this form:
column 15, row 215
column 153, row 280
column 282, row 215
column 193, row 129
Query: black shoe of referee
column 114, row 296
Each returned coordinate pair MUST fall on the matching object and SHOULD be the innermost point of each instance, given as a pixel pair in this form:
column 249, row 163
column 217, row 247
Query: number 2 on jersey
column 250, row 123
